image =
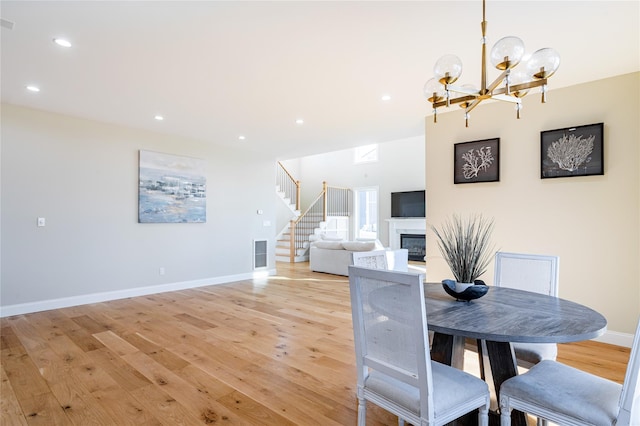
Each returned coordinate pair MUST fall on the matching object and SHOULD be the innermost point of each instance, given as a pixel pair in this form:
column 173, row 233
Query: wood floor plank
column 45, row 410
column 272, row 393
column 75, row 332
column 206, row 407
column 115, row 343
column 270, row 351
column 88, row 323
column 127, row 377
column 167, row 409
column 8, row 338
column 125, row 408
column 23, row 374
column 253, row 412
column 78, row 404
column 204, row 325
column 10, row 411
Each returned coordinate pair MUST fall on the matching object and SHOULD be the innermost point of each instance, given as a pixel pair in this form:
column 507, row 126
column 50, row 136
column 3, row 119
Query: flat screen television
column 408, row 204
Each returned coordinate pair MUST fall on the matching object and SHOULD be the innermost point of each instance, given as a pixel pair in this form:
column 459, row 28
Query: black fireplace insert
column 416, row 244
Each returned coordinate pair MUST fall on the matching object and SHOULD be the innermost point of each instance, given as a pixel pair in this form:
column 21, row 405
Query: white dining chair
column 394, row 368
column 376, row 259
column 568, row 396
column 529, row 272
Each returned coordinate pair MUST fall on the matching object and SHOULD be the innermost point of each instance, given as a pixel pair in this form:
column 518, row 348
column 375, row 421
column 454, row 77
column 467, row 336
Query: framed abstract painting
column 171, row 189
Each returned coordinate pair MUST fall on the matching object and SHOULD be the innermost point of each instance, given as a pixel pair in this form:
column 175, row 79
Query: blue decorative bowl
column 475, row 291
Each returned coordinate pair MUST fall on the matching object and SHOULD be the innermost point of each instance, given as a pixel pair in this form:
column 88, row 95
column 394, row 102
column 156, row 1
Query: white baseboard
column 65, row 302
column 615, row 338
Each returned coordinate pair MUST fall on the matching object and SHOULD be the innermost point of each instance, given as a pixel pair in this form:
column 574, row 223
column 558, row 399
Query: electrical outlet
column 41, row 221
column 161, row 270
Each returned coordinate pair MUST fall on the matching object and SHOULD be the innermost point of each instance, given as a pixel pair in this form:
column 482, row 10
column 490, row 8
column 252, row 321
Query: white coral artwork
column 476, row 161
column 569, row 152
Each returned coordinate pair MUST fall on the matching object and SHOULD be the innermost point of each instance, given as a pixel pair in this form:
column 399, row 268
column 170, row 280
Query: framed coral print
column 477, row 161
column 573, row 151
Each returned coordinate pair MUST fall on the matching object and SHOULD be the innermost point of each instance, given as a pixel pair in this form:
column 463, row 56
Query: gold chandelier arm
column 497, row 81
column 521, row 86
column 506, row 98
column 458, row 100
column 472, row 105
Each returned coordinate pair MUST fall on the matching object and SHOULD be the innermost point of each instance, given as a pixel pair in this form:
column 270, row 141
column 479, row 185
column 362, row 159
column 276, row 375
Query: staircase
column 292, row 243
column 283, row 239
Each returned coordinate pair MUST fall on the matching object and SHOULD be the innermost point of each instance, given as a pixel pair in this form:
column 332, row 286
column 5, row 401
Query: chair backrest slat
column 376, row 259
column 530, row 272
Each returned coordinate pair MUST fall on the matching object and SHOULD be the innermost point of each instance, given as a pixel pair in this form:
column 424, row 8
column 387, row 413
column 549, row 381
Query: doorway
column 366, row 212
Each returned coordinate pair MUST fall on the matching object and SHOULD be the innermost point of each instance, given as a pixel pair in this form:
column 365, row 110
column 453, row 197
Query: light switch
column 266, row 223
column 41, row 221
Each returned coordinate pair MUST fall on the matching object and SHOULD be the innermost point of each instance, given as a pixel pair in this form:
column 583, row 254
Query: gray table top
column 509, row 315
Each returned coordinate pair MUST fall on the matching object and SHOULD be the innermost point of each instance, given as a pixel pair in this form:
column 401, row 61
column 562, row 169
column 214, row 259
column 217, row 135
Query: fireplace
column 416, row 245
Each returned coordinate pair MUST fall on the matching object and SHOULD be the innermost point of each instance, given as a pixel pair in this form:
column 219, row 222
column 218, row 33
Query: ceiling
column 220, row 70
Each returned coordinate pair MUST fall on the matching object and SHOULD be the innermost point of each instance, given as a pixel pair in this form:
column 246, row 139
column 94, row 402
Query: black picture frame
column 476, row 161
column 572, row 151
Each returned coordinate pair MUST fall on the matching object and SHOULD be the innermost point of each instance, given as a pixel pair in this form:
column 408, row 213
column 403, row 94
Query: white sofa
column 334, row 257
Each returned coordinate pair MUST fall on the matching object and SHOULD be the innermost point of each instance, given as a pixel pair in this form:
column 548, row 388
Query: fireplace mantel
column 399, row 226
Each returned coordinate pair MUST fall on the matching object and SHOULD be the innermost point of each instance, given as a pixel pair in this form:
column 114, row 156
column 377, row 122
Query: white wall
column 82, row 176
column 400, row 167
column 591, row 222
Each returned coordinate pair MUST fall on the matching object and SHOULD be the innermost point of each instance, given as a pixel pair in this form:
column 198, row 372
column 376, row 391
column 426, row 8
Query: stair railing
column 288, row 185
column 332, row 201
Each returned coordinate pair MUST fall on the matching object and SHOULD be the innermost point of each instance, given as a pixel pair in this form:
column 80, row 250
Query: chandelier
column 505, row 55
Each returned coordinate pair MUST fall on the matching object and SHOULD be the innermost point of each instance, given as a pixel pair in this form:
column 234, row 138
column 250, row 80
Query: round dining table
column 503, row 316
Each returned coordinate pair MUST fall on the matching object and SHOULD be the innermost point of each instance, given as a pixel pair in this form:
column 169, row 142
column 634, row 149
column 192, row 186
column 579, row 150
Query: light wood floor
column 272, row 351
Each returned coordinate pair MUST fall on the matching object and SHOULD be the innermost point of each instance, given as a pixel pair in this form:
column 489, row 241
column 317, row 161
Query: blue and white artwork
column 172, row 189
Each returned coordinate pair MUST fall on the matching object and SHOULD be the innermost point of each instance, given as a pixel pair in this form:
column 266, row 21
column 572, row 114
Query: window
column 366, row 212
column 365, row 154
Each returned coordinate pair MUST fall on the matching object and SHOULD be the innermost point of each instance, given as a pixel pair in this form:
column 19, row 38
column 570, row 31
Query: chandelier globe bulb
column 543, row 63
column 448, row 69
column 433, row 90
column 507, row 52
column 516, row 77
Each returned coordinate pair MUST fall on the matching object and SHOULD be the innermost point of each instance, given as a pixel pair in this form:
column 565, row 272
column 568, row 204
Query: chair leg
column 505, row 411
column 400, row 421
column 541, row 422
column 505, row 417
column 362, row 412
column 483, row 416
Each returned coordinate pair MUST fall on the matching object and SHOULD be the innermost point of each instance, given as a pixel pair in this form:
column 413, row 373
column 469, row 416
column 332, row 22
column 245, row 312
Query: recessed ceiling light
column 62, row 42
column 159, row 117
column 241, row 137
column 386, row 98
column 299, row 121
column 33, row 88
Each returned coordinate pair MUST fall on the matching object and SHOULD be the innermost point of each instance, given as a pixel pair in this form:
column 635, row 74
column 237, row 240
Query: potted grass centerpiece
column 465, row 244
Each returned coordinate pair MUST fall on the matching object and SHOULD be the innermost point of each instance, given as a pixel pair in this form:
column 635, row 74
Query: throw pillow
column 359, row 245
column 331, row 245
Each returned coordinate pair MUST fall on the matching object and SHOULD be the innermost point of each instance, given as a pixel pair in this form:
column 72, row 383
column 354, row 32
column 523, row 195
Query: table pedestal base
column 449, row 350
